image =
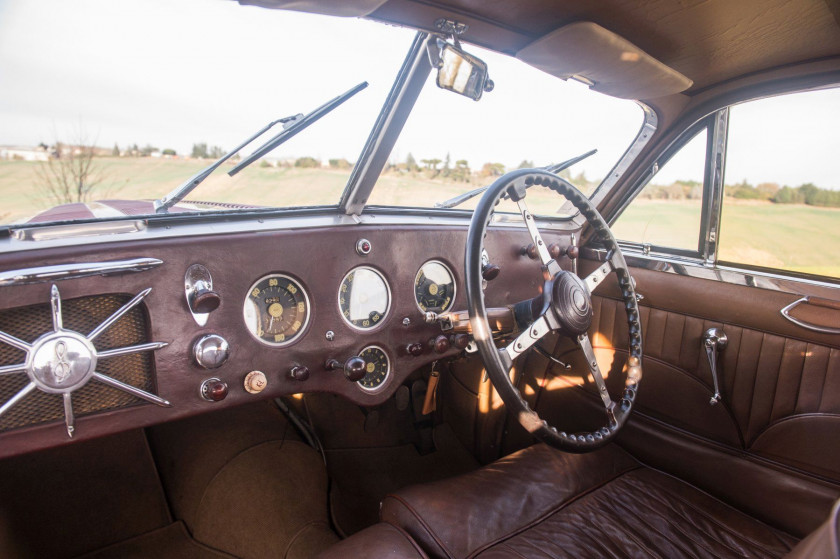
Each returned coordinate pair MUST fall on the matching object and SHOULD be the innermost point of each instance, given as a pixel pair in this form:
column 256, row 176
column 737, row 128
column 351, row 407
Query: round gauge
column 377, row 368
column 434, row 287
column 364, row 298
column 276, row 310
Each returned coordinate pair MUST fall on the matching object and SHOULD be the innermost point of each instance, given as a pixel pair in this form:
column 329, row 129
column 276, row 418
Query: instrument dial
column 434, row 287
column 276, row 310
column 377, row 368
column 364, row 298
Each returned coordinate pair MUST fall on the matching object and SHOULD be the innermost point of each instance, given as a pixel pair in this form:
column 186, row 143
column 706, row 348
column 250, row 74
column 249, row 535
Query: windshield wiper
column 162, row 206
column 291, row 126
column 297, row 126
column 554, row 168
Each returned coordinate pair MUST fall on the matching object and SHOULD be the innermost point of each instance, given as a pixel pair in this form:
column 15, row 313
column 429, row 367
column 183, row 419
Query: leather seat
column 541, row 502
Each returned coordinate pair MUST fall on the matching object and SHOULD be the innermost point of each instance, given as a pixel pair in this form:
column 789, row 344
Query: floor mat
column 362, row 477
column 171, row 542
column 77, row 498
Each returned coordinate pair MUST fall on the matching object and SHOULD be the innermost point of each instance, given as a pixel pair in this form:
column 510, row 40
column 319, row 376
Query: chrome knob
column 211, row 351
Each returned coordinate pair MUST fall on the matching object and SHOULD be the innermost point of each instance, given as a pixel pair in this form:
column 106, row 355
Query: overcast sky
column 174, row 72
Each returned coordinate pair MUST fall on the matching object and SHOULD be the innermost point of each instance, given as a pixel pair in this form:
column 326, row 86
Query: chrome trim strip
column 77, row 270
column 785, row 312
column 716, row 162
column 229, row 224
column 46, row 233
column 646, row 132
column 694, row 268
column 401, row 99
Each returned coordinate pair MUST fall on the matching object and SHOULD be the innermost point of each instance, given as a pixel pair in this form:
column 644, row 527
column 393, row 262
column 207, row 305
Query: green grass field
column 795, row 237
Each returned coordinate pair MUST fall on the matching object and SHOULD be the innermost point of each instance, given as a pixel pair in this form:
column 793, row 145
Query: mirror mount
column 458, row 70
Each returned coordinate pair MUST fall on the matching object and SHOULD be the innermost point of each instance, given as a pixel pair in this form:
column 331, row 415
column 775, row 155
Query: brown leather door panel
column 780, row 390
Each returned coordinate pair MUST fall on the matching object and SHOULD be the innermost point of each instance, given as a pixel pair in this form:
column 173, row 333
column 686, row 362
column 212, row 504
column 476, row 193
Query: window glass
column 452, row 144
column 781, row 205
column 667, row 211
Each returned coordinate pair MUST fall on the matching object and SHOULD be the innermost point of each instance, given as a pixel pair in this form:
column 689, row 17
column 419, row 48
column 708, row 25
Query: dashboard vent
column 81, row 315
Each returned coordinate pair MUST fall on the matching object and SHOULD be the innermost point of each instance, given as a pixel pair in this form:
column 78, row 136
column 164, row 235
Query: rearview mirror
column 462, row 73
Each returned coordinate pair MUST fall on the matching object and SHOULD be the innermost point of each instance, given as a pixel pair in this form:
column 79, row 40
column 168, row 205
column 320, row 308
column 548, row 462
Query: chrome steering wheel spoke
column 596, row 278
column 586, row 346
column 529, row 336
column 542, row 251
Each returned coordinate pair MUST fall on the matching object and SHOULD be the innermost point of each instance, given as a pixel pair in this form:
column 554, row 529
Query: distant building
column 24, row 153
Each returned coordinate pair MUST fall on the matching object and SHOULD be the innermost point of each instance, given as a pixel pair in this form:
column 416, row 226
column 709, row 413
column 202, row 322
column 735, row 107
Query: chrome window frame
column 705, row 263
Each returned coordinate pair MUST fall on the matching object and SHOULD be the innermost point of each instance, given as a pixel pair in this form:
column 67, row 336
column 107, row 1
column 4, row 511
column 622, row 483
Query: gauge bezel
column 387, row 308
column 387, row 378
column 451, row 274
column 303, row 326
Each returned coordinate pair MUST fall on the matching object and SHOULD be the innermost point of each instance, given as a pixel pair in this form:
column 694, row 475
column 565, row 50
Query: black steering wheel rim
column 497, row 362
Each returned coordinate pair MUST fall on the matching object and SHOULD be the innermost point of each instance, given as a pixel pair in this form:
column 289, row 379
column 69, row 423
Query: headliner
column 708, row 41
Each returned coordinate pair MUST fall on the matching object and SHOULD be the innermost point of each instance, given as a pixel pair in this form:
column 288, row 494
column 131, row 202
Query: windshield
column 107, row 107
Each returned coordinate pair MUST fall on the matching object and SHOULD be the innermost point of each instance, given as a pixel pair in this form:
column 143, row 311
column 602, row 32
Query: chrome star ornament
column 62, row 361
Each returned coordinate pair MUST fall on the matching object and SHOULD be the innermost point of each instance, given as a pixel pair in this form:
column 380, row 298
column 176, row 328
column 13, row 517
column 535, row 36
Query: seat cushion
column 380, row 541
column 541, row 502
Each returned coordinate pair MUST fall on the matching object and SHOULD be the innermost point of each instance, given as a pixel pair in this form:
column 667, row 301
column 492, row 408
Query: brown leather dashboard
column 318, row 258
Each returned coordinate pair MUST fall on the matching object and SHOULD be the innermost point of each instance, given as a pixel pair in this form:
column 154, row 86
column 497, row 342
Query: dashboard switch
column 440, row 344
column 214, row 390
column 201, row 299
column 299, row 372
column 490, row 271
column 460, row 341
column 354, row 368
column 255, row 382
column 363, row 247
column 211, row 351
column 414, row 349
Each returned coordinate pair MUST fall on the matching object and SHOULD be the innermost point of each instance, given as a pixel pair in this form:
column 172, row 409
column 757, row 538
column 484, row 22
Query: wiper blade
column 297, row 126
column 555, row 168
column 162, row 206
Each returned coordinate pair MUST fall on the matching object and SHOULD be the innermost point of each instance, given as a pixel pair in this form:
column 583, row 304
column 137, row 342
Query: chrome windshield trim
column 401, row 99
column 646, row 132
column 189, row 226
column 42, row 274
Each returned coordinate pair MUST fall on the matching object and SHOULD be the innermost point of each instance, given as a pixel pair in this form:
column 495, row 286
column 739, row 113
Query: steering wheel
column 565, row 306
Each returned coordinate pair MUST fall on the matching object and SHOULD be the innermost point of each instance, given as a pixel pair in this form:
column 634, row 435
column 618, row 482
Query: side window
column 667, row 212
column 781, row 206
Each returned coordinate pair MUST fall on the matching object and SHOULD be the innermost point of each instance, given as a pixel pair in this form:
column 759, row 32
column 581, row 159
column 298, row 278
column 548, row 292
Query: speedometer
column 364, row 298
column 434, row 287
column 276, row 310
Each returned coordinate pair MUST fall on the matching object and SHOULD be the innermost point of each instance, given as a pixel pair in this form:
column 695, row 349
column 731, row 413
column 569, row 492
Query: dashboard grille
column 81, row 315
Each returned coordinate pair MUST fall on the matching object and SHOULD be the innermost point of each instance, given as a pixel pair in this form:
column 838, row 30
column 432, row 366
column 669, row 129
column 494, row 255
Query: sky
column 171, row 73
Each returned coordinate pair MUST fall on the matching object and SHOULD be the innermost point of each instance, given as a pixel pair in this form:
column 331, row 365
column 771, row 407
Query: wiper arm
column 162, row 206
column 297, row 126
column 461, row 198
column 555, row 168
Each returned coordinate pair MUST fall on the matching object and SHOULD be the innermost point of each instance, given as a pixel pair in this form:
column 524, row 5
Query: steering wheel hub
column 572, row 304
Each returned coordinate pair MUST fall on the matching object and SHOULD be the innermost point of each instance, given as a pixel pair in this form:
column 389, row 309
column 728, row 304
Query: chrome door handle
column 824, row 329
column 714, row 340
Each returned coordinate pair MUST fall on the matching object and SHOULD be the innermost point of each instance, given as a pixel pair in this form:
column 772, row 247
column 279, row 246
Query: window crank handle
column 714, row 340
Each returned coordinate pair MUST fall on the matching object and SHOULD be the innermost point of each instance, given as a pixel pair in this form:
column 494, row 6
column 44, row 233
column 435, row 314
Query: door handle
column 714, row 340
column 814, row 327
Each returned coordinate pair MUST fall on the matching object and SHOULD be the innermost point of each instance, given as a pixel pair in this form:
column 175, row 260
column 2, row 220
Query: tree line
column 807, row 193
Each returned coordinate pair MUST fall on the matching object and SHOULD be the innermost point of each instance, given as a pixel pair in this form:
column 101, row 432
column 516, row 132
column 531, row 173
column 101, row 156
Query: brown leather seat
column 540, row 502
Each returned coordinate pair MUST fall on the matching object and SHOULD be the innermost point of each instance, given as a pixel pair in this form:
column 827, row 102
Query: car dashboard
column 230, row 316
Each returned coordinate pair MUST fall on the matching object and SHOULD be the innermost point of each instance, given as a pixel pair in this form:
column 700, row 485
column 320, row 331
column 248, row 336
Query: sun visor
column 345, row 8
column 608, row 63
